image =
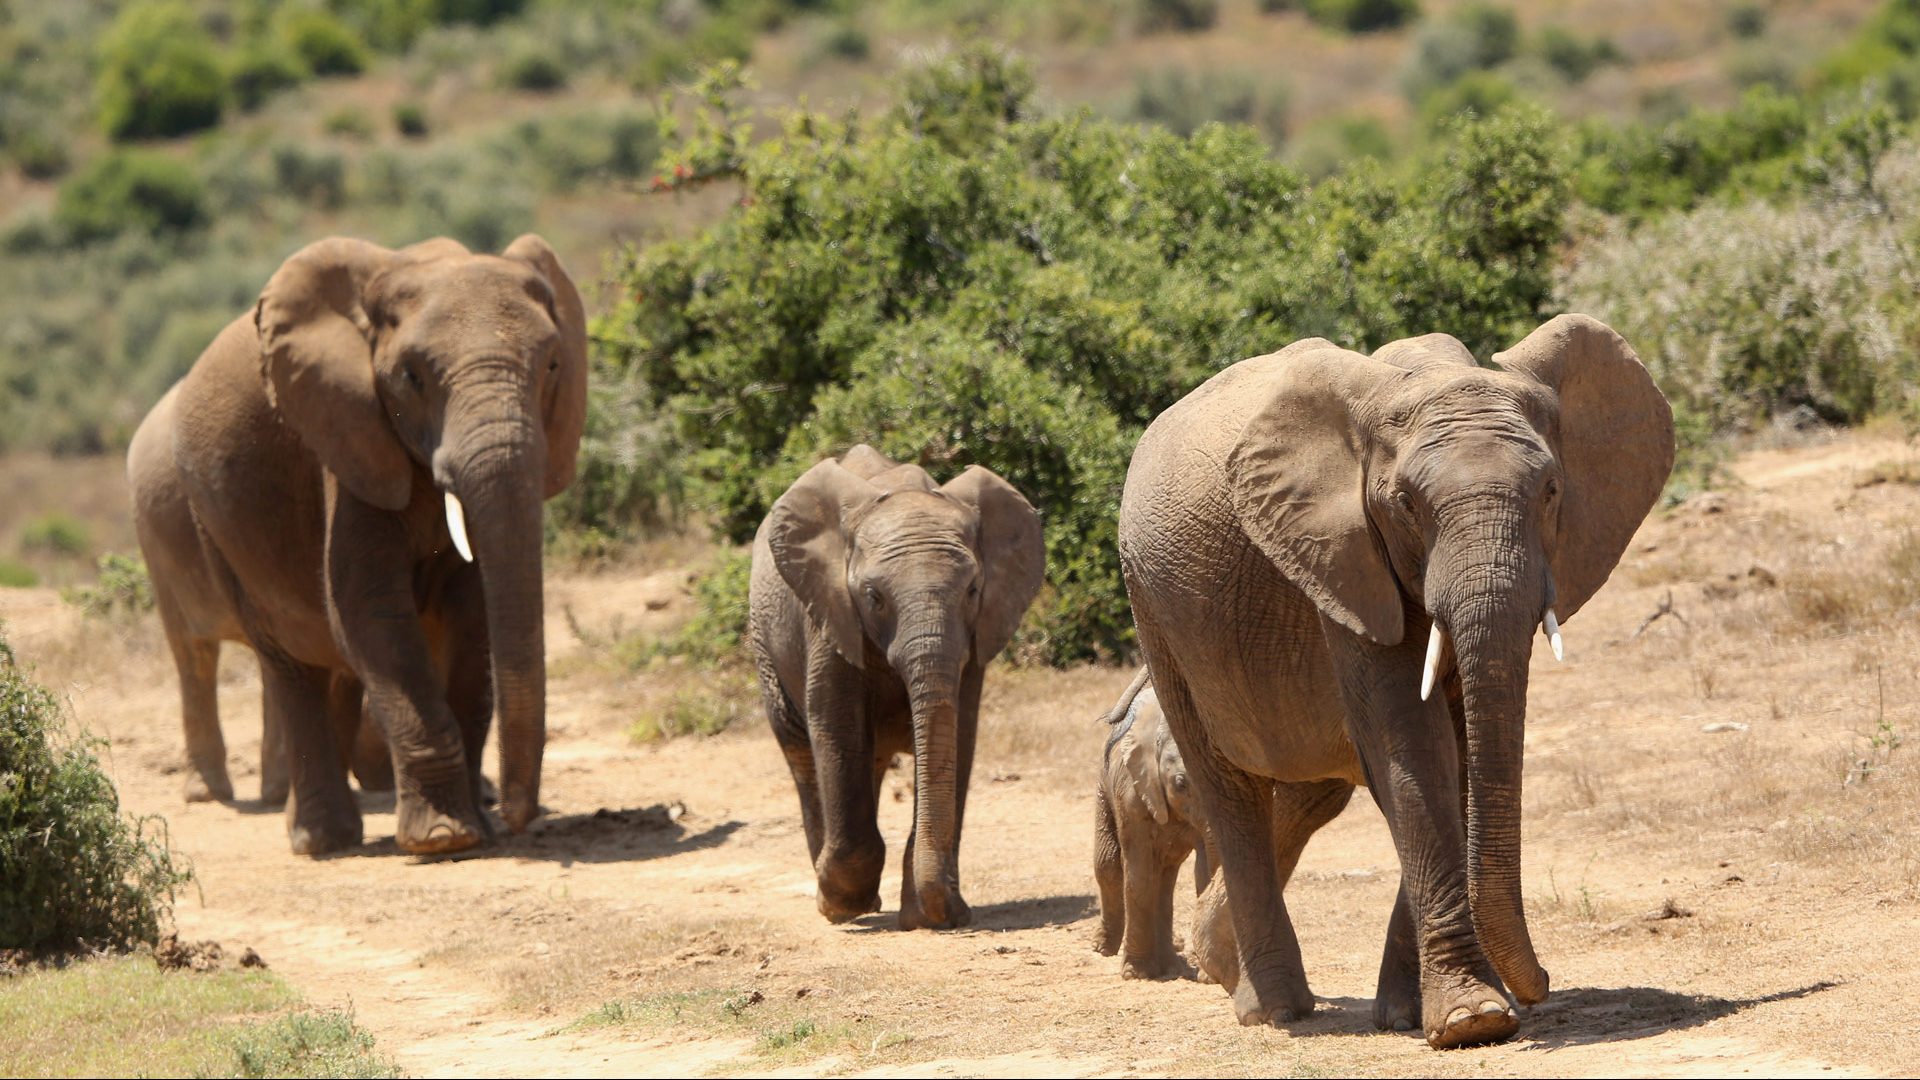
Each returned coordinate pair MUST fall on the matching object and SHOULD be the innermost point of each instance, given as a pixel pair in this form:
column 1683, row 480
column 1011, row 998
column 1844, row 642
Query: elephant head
column 930, row 580
column 1416, row 492
column 1154, row 766
column 467, row 369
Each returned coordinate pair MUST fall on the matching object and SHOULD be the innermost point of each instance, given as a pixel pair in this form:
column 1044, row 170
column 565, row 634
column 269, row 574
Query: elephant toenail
column 1459, row 1016
column 1489, row 1008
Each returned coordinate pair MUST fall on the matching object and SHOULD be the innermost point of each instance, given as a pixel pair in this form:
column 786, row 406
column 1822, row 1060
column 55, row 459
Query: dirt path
column 1722, row 772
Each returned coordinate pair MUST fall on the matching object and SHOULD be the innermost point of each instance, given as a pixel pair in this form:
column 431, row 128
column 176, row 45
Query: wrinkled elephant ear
column 1615, row 445
column 565, row 406
column 1426, row 348
column 1297, row 481
column 1013, row 556
column 316, row 348
column 807, row 531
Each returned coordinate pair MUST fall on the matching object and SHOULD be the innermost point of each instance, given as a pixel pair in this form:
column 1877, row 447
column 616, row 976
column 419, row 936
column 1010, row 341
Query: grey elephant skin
column 878, row 597
column 1145, row 825
column 1308, row 537
column 301, row 491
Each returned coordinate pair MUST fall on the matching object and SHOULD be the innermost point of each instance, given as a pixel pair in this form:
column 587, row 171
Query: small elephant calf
column 1145, row 825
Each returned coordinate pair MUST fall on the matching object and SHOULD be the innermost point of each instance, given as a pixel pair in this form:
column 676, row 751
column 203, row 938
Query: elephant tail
column 1120, row 718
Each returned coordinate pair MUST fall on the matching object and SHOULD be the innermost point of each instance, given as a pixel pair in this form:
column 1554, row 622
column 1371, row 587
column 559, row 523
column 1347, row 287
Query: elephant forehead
column 1441, row 398
column 907, row 520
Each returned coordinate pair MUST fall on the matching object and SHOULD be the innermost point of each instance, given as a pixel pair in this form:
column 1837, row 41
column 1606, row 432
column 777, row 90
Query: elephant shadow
column 1027, row 914
column 1577, row 1016
column 633, row 834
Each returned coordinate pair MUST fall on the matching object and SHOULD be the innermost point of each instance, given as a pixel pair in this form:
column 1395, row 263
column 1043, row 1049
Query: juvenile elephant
column 197, row 617
column 330, row 446
column 877, row 599
column 1144, row 827
column 1312, row 541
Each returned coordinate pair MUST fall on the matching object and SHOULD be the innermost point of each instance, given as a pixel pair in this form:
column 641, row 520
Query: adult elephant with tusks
column 877, row 599
column 364, row 457
column 1337, row 565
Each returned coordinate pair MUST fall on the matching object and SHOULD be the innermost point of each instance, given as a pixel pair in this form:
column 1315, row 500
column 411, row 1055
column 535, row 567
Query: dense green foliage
column 74, row 871
column 159, row 73
column 1026, row 292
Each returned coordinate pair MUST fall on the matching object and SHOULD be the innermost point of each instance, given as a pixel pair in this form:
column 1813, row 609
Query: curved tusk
column 1553, row 635
column 1432, row 671
column 457, row 525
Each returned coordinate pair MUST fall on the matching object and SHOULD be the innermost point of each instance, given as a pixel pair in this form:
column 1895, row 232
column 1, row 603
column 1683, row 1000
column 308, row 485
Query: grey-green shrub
column 259, row 69
column 125, row 190
column 324, row 44
column 159, row 73
column 74, row 871
column 1183, row 100
column 1362, row 16
column 1177, row 15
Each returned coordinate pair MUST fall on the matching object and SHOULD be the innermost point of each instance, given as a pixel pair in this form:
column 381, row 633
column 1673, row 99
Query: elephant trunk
column 931, row 670
column 497, row 473
column 1492, row 603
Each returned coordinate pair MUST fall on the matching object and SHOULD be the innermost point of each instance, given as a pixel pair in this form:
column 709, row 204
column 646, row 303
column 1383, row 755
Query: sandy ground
column 1738, row 772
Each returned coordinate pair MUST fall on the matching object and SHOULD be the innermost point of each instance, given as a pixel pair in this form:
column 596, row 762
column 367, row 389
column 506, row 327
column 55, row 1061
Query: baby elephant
column 1145, row 825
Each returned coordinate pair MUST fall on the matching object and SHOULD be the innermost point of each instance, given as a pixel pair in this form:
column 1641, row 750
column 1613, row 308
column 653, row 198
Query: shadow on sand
column 635, row 834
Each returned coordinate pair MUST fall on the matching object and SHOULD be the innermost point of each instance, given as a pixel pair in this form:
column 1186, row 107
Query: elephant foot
column 323, row 834
column 1469, row 1013
column 1254, row 1011
column 1106, row 942
column 938, row 908
column 1396, row 1001
column 274, row 792
column 1150, row 969
column 208, row 786
column 424, row 829
column 840, row 911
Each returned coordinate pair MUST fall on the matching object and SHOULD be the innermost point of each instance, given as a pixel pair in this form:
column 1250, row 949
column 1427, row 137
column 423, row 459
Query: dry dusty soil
column 1721, row 867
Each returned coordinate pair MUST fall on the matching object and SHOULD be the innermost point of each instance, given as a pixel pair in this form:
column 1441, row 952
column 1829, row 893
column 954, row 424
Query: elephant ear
column 1142, row 759
column 1615, row 445
column 566, row 404
column 316, row 348
column 1407, row 352
column 1013, row 556
column 1297, row 480
column 807, row 531
column 866, row 462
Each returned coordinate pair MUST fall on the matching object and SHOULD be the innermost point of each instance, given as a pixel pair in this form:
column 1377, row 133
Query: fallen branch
column 1665, row 608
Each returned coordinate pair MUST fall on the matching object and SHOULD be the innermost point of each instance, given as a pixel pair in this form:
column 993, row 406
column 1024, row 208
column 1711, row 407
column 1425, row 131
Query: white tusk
column 1433, row 662
column 1553, row 635
column 457, row 525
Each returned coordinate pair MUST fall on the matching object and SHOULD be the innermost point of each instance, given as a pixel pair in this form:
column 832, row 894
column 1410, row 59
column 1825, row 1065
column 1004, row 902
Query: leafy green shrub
column 39, row 155
column 533, row 67
column 159, row 73
column 14, row 575
column 123, row 587
column 722, row 700
column 1181, row 15
column 410, row 119
column 1639, row 168
column 258, row 70
column 1332, row 144
column 56, row 533
column 1747, row 19
column 1362, row 16
column 1471, row 38
column 310, row 1043
column 1477, row 93
column 125, row 190
column 1760, row 64
column 74, row 873
column 1182, row 101
column 1574, row 58
column 714, row 635
column 322, row 42
column 961, row 284
column 351, row 121
column 847, row 41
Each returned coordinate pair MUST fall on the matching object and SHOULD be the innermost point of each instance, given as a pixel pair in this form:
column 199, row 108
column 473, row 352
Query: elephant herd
column 1337, row 563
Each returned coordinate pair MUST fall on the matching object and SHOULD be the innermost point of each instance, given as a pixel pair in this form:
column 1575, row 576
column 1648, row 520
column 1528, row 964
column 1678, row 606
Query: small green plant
column 1573, row 57
column 40, row 155
column 258, row 70
column 410, row 119
column 350, row 121
column 14, row 575
column 847, row 41
column 74, row 871
column 56, row 533
column 323, row 43
column 708, row 709
column 128, row 191
column 1362, row 16
column 310, row 1044
column 784, row 1038
column 122, row 588
column 534, row 68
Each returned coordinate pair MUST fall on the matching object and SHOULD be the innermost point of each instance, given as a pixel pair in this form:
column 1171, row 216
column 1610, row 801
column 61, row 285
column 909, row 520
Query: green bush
column 14, row 575
column 1637, row 169
column 322, row 42
column 1747, row 19
column 1362, row 16
column 847, row 41
column 351, row 121
column 533, row 67
column 1574, row 58
column 159, row 73
column 410, row 119
column 1179, row 15
column 961, row 284
column 123, row 588
column 1471, row 38
column 315, row 177
column 1182, row 101
column 719, row 624
column 258, row 70
column 1478, row 93
column 128, row 190
column 39, row 155
column 74, row 872
column 1335, row 143
column 55, row 533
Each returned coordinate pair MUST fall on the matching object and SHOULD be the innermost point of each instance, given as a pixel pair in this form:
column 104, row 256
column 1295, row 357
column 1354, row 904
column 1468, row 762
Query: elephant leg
column 1148, row 951
column 1411, row 758
column 322, row 816
column 275, row 775
column 1396, row 1002
column 468, row 660
column 362, row 746
column 852, row 853
column 1109, row 875
column 967, row 716
column 197, row 660
column 1216, row 953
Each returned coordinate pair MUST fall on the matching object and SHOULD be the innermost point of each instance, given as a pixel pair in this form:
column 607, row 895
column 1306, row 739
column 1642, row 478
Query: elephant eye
column 1553, row 489
column 973, row 590
column 873, row 596
column 1404, row 499
column 412, row 377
